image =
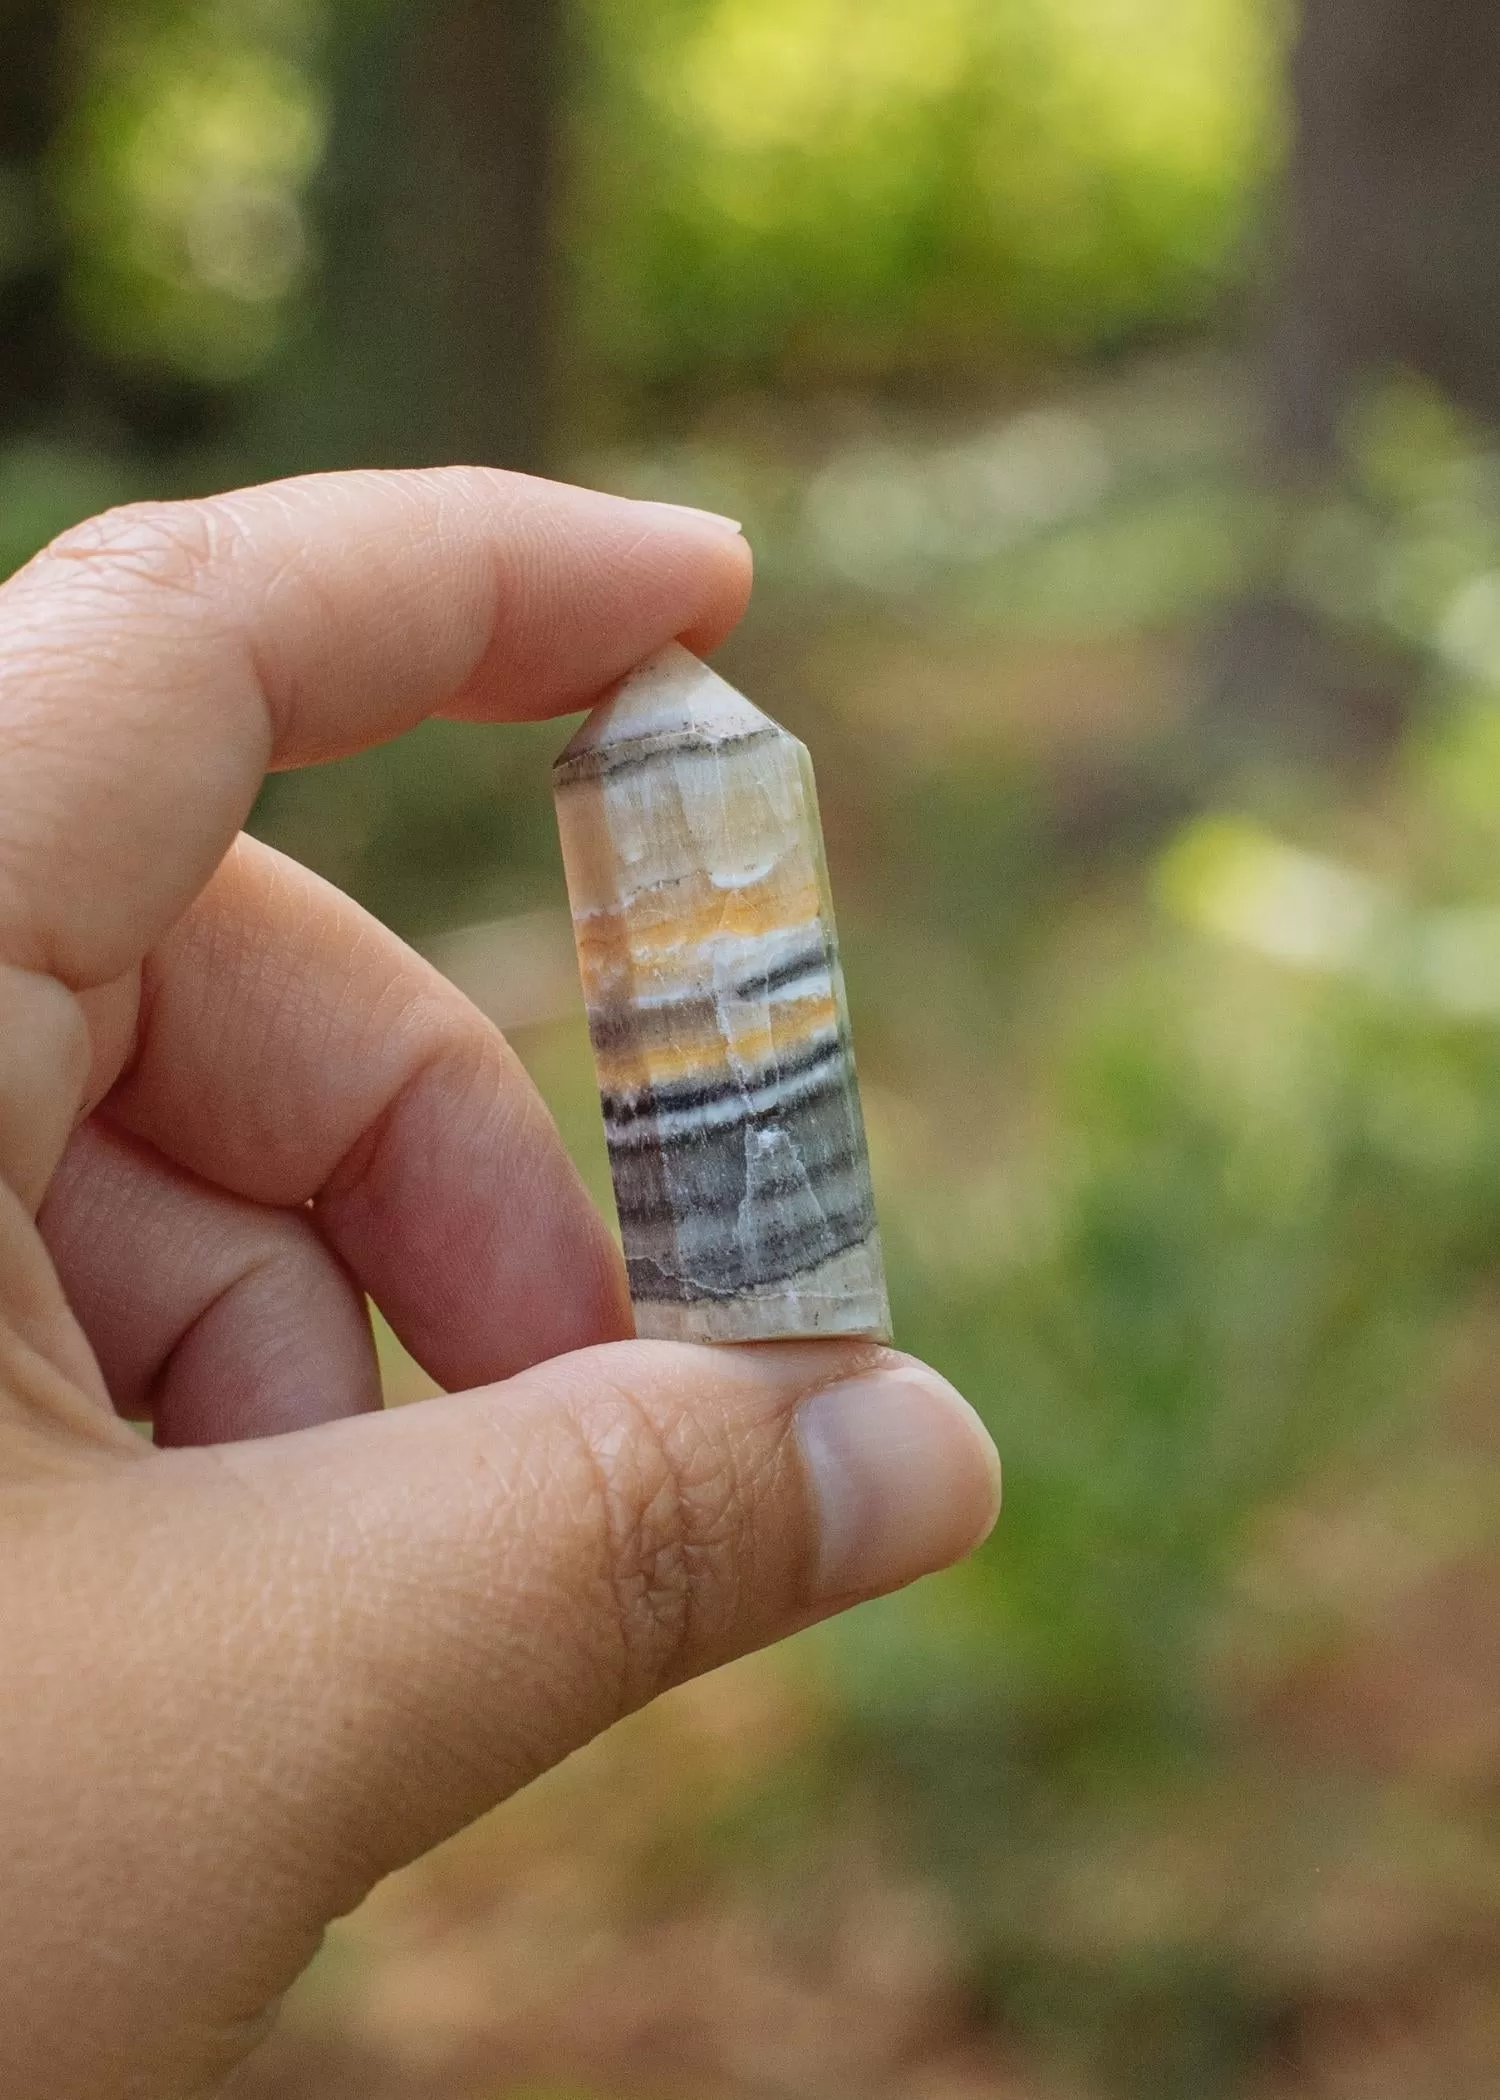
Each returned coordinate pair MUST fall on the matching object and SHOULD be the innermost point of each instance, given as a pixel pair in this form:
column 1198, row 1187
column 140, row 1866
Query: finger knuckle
column 168, row 547
column 667, row 1516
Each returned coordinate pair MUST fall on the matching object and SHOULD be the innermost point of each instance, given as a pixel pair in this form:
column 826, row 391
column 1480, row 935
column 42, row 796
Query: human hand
column 244, row 1679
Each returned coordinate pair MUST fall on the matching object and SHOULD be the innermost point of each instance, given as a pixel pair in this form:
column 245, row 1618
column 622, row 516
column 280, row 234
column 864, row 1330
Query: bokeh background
column 1104, row 385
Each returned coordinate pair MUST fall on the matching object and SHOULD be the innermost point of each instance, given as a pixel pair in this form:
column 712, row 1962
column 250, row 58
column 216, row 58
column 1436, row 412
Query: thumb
column 332, row 1649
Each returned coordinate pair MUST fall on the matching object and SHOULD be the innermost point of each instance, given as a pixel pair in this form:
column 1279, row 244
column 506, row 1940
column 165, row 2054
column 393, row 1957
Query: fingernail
column 905, row 1477
column 688, row 510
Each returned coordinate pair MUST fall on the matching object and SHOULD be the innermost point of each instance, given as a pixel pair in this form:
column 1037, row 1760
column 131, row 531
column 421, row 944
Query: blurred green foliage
column 183, row 170
column 1244, row 1196
column 758, row 188
column 859, row 186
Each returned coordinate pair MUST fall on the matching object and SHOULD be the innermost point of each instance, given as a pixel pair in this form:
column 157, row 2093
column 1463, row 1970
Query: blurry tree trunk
column 1391, row 246
column 34, row 359
column 482, row 149
column 437, row 227
column 1389, row 256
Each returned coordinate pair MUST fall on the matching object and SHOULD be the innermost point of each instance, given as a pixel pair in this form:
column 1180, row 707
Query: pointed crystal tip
column 671, row 694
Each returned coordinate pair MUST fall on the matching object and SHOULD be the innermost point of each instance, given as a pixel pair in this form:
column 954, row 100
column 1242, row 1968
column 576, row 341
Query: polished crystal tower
column 716, row 1006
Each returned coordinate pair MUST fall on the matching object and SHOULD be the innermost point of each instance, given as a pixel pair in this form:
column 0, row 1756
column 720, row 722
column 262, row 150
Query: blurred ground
column 608, row 1939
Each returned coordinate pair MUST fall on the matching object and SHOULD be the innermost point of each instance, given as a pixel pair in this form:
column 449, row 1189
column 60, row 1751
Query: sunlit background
column 1103, row 385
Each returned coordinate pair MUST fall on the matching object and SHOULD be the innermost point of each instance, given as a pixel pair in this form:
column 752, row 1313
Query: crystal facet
column 716, row 1005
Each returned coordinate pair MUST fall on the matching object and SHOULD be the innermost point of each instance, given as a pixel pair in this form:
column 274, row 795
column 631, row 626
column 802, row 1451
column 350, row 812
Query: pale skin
column 252, row 1668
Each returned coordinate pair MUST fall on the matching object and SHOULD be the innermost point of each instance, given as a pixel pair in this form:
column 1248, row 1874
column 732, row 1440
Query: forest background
column 1106, row 387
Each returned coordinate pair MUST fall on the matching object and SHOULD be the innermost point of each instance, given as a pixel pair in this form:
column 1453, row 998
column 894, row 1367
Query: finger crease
column 640, row 1494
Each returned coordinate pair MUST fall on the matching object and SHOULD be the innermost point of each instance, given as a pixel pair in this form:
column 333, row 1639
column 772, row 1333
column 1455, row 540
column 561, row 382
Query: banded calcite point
column 716, row 1005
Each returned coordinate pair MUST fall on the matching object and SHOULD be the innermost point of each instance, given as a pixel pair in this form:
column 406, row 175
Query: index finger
column 155, row 662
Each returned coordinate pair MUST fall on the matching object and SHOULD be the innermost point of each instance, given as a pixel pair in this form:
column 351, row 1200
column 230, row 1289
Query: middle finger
column 293, row 1050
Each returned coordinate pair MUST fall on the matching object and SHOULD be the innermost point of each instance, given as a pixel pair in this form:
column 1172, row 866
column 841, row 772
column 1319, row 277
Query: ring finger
column 211, row 1316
